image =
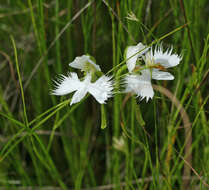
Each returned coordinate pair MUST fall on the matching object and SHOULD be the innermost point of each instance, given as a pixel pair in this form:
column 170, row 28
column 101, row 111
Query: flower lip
column 66, row 84
column 166, row 58
column 101, row 89
column 140, row 84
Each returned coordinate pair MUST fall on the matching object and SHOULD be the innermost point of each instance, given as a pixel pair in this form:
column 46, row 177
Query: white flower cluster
column 137, row 81
column 101, row 89
column 156, row 62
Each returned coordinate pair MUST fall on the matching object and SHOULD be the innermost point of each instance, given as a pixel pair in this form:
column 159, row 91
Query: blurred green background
column 144, row 144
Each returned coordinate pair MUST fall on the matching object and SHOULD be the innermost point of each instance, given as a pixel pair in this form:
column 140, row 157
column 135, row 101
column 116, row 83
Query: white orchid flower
column 101, row 89
column 119, row 143
column 133, row 53
column 85, row 63
column 155, row 62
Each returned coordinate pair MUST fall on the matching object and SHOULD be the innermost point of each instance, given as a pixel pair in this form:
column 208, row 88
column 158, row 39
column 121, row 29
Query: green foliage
column 46, row 142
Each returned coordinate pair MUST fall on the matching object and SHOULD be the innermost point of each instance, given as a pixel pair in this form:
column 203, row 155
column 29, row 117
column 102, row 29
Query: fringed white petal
column 166, row 59
column 81, row 62
column 161, row 75
column 82, row 91
column 139, row 50
column 67, row 84
column 102, row 89
column 140, row 84
column 79, row 94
